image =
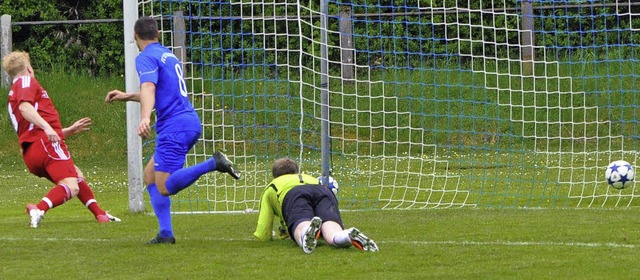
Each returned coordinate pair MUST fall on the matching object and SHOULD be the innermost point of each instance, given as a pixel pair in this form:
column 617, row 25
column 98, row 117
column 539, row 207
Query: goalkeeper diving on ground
column 306, row 211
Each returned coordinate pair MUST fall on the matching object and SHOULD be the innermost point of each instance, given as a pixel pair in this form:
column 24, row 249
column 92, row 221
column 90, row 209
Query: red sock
column 56, row 196
column 85, row 195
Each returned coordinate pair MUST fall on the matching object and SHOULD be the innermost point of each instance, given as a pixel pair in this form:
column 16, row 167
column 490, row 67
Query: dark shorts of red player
column 50, row 160
column 304, row 202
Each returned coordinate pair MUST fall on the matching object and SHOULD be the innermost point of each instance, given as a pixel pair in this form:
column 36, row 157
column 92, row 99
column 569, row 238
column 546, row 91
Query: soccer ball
column 619, row 174
column 333, row 185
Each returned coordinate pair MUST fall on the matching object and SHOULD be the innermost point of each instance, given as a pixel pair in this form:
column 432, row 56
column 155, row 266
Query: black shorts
column 304, row 202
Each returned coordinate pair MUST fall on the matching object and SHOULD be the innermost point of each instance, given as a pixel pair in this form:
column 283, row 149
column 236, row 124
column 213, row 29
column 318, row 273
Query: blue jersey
column 174, row 112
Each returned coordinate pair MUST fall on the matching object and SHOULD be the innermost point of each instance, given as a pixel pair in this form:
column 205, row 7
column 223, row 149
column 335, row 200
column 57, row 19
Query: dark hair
column 146, row 28
column 284, row 166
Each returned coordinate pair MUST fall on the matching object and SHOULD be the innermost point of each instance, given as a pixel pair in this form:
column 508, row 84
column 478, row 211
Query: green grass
column 452, row 243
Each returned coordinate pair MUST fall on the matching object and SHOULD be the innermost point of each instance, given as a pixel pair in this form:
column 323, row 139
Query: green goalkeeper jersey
column 271, row 201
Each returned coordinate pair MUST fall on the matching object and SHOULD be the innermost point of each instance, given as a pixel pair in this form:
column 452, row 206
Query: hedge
column 384, row 35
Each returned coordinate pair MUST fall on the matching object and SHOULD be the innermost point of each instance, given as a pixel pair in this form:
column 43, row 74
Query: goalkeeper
column 305, row 210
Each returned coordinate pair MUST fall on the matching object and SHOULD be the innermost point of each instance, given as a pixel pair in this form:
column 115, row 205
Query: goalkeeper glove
column 282, row 233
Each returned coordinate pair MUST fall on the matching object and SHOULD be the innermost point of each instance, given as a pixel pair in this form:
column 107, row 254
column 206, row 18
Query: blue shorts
column 172, row 148
column 304, row 202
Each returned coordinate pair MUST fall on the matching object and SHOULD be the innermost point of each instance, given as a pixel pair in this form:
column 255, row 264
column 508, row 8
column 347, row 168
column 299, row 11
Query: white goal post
column 134, row 144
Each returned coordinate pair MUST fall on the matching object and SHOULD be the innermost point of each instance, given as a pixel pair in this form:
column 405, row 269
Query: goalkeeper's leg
column 344, row 238
column 307, row 234
column 335, row 235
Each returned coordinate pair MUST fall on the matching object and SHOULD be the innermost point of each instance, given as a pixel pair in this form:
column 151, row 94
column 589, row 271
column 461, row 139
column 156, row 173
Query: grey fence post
column 5, row 43
column 178, row 36
column 528, row 52
column 346, row 42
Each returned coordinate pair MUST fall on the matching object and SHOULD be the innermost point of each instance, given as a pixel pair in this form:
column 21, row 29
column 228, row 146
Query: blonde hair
column 15, row 63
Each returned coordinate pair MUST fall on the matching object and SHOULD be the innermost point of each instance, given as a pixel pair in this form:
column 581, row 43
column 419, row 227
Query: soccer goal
column 421, row 105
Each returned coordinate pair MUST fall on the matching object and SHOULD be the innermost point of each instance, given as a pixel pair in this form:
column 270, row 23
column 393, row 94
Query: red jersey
column 27, row 89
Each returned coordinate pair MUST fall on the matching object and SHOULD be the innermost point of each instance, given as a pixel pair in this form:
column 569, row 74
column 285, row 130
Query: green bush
column 96, row 48
column 392, row 35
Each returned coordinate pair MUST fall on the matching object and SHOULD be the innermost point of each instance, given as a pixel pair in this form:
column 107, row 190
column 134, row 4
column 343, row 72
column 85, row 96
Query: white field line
column 401, row 242
column 516, row 243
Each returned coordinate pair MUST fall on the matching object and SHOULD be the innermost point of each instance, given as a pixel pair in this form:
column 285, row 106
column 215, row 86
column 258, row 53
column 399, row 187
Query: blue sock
column 184, row 177
column 162, row 207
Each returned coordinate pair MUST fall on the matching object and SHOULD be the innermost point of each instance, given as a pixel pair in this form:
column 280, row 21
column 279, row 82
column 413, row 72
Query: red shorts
column 50, row 160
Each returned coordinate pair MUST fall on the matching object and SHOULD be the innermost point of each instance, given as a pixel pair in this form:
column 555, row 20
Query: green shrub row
column 392, row 35
column 94, row 48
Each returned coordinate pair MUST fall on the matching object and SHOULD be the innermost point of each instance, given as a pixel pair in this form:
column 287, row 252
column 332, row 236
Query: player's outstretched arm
column 31, row 114
column 265, row 216
column 117, row 95
column 147, row 99
column 80, row 125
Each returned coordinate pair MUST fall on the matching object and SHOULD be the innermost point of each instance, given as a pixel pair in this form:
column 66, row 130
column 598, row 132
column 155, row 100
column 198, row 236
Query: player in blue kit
column 178, row 126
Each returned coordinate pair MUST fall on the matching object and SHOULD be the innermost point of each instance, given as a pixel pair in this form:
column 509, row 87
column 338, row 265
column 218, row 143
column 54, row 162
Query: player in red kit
column 41, row 137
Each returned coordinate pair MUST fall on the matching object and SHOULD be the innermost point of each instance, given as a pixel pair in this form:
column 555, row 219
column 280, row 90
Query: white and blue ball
column 619, row 174
column 332, row 184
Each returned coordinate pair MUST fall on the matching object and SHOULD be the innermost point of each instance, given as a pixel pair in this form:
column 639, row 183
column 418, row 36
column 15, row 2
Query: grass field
column 453, row 243
column 465, row 243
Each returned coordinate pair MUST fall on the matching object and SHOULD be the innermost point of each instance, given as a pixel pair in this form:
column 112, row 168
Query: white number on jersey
column 183, row 85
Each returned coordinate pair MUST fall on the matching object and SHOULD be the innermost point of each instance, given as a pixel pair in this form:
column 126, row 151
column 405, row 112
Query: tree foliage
column 397, row 34
column 95, row 48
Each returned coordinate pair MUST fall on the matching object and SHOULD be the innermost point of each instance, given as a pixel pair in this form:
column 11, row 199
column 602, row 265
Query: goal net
column 429, row 104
